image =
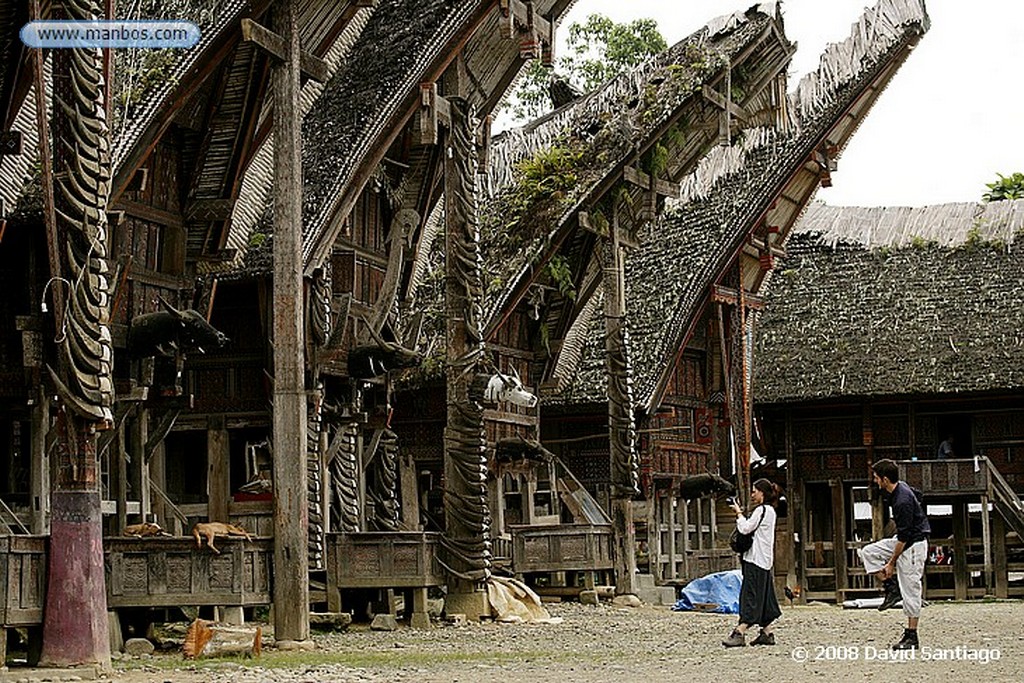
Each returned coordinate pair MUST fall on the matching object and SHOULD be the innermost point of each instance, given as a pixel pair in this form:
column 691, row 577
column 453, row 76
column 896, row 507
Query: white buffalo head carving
column 502, row 387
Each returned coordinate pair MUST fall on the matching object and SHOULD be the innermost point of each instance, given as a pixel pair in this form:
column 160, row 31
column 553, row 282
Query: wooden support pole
column 986, row 542
column 1002, row 578
column 960, row 576
column 291, row 512
column 75, row 628
column 621, row 427
column 839, row 536
column 218, row 480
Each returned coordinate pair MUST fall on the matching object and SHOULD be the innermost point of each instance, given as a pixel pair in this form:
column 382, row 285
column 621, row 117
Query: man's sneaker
column 892, row 594
column 735, row 639
column 908, row 641
column 764, row 639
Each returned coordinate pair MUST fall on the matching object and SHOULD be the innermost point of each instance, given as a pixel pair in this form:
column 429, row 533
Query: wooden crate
column 23, row 585
column 562, row 548
column 170, row 572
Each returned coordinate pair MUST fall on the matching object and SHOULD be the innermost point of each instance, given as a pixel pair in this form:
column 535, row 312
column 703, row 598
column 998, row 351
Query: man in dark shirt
column 899, row 561
column 946, row 449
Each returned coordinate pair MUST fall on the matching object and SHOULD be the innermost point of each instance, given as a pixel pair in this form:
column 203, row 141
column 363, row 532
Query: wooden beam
column 434, row 111
column 728, row 295
column 268, row 41
column 715, row 98
column 205, row 210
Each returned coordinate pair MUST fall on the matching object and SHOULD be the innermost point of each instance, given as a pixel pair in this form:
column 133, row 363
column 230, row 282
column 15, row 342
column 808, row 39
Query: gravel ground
column 602, row 643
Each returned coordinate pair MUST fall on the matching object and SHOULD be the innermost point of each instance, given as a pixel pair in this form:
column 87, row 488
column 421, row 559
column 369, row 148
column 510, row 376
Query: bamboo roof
column 891, row 301
column 763, row 182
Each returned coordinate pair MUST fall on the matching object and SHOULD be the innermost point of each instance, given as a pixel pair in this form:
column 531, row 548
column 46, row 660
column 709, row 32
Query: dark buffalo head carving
column 704, row 484
column 166, row 332
column 373, row 360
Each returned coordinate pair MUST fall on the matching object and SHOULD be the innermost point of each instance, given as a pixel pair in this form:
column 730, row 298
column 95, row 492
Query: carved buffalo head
column 502, row 387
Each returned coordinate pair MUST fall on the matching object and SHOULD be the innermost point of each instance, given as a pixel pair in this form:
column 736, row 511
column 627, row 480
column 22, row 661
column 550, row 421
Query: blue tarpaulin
column 722, row 589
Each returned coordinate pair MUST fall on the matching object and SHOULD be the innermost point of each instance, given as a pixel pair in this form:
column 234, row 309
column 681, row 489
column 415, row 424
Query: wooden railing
column 947, row 477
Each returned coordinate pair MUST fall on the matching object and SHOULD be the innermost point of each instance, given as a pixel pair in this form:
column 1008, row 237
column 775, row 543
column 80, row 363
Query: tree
column 597, row 50
column 1011, row 187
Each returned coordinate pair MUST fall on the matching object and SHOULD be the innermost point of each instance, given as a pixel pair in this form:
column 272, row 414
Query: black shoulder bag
column 741, row 543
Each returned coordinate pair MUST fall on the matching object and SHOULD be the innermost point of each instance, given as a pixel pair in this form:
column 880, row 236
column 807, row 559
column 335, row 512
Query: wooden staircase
column 1005, row 499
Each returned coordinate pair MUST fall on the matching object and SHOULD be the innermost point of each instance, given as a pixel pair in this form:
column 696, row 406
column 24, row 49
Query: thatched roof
column 764, row 179
column 896, row 301
column 587, row 142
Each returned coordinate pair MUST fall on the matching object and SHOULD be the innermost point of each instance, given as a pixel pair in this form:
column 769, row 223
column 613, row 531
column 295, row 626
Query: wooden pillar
column 75, row 627
column 686, row 537
column 668, row 518
column 986, row 543
column 839, row 536
column 218, row 479
column 960, row 549
column 467, row 516
column 621, row 426
column 39, row 477
column 409, row 483
column 1002, row 578
column 291, row 512
column 138, row 434
column 795, row 538
column 119, row 465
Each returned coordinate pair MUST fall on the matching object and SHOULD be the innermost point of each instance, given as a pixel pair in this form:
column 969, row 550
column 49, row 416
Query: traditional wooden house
column 564, row 188
column 691, row 288
column 886, row 331
column 189, row 438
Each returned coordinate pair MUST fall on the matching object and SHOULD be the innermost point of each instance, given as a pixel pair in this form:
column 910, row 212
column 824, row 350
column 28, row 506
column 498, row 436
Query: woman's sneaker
column 735, row 639
column 764, row 639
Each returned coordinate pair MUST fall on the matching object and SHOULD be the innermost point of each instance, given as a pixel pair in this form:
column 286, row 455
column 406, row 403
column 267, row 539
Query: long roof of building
column 669, row 278
column 896, row 301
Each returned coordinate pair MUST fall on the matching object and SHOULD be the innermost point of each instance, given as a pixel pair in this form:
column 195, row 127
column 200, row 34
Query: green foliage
column 550, row 172
column 1007, row 187
column 597, row 50
column 655, row 160
column 256, row 239
column 918, row 242
column 560, row 273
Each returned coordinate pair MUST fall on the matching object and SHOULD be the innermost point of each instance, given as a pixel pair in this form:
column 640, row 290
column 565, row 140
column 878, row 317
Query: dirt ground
column 981, row 640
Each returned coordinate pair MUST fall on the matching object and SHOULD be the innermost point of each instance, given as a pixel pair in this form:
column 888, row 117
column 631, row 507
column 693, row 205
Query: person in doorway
column 946, row 448
column 758, row 604
column 899, row 560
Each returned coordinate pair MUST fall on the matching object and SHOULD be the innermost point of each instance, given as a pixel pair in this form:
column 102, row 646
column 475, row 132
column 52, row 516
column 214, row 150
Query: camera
column 730, row 500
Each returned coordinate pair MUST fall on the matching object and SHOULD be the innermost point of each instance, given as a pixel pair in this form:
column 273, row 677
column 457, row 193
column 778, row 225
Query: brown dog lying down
column 211, row 529
column 144, row 529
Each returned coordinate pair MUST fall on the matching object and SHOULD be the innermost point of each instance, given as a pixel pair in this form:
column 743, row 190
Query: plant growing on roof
column 1007, row 187
column 561, row 274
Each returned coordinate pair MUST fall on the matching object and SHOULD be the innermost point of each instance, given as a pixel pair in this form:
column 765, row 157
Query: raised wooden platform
column 172, row 571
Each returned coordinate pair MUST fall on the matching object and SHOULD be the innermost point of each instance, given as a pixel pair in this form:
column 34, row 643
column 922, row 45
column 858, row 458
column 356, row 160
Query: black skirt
column 758, row 604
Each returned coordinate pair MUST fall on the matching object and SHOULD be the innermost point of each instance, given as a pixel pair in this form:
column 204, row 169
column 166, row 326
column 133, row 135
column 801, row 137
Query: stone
column 628, row 600
column 589, row 598
column 384, row 622
column 329, row 621
column 138, row 646
column 458, row 619
column 295, row 645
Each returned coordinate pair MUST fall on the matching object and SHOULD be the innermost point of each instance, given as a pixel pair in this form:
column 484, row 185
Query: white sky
column 950, row 120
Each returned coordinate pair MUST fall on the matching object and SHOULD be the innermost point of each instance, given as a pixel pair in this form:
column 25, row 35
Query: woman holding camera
column 758, row 604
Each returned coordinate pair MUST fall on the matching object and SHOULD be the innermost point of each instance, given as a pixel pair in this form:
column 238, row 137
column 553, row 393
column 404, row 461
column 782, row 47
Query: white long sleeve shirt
column 762, row 552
